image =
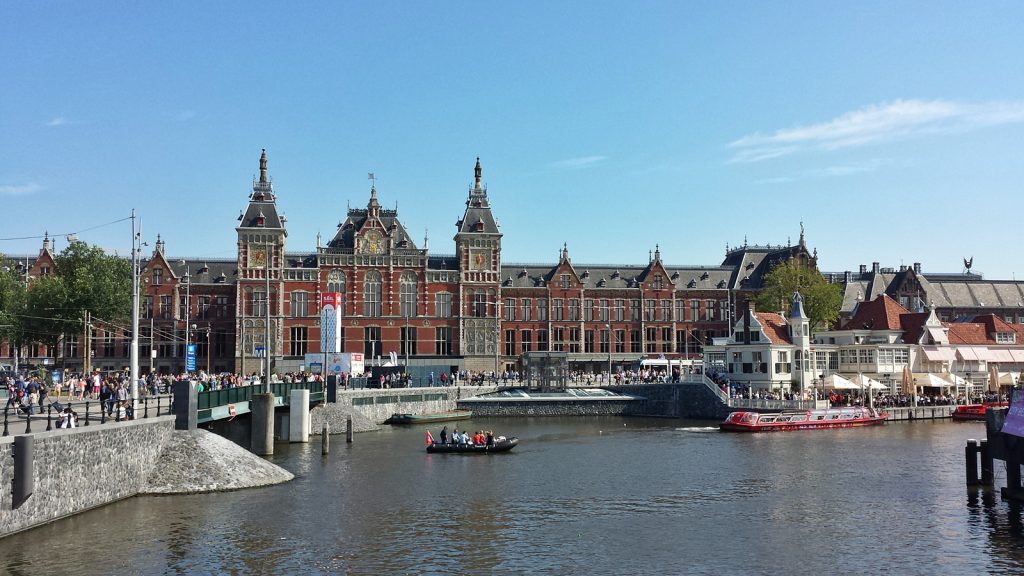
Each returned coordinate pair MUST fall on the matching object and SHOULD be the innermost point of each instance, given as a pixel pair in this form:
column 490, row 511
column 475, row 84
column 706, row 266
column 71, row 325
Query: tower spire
column 477, row 173
column 263, row 167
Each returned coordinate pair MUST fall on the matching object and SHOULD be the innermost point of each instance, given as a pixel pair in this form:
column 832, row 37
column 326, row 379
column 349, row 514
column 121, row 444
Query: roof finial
column 477, row 172
column 801, row 232
column 426, row 238
column 263, row 167
column 657, row 253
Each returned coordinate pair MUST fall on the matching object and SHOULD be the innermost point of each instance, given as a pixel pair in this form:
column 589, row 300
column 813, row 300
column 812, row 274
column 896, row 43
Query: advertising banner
column 1015, row 417
column 330, row 322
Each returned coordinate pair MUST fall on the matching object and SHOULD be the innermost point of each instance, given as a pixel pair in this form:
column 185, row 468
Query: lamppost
column 187, row 278
column 609, row 327
column 134, row 351
column 209, row 350
column 968, row 387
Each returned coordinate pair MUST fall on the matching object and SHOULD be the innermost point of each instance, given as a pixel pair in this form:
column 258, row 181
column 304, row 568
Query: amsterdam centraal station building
column 469, row 309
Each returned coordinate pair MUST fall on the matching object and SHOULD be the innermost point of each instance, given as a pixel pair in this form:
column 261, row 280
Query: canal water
column 577, row 496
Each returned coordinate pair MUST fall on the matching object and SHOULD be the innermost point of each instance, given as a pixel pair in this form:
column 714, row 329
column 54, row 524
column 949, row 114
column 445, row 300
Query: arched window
column 371, row 294
column 407, row 294
column 336, row 281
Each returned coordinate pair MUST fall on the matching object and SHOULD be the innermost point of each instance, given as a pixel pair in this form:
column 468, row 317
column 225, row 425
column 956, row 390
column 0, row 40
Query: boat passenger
column 444, row 435
column 464, row 439
column 490, row 438
column 455, row 436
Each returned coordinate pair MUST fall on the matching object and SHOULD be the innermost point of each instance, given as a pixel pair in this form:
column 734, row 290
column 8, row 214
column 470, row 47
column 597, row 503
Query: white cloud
column 878, row 123
column 18, row 190
column 581, row 162
column 830, row 171
column 57, row 121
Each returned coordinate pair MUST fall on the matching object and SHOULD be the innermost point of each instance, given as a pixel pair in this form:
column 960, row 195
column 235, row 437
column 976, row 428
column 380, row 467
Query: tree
column 13, row 297
column 821, row 299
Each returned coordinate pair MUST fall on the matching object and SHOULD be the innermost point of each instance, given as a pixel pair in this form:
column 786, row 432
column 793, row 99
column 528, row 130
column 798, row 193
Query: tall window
column 680, row 310
column 604, row 310
column 723, row 308
column 620, row 309
column 604, row 341
column 574, row 310
column 479, row 305
column 147, row 307
column 300, row 304
column 563, row 280
column 652, row 336
column 527, row 340
column 634, row 341
column 709, row 310
column 443, row 341
column 371, row 341
column 557, row 309
column 204, row 307
column 574, row 340
column 71, row 345
column 542, row 309
column 657, row 281
column 527, row 309
column 666, row 339
column 634, row 310
column 443, row 304
column 542, row 341
column 694, row 309
column 408, row 341
column 222, row 307
column 588, row 341
column 558, row 339
column 510, row 342
column 510, row 309
column 259, row 303
column 666, row 311
column 588, row 310
column 372, row 294
column 649, row 310
column 408, row 289
column 165, row 307
column 158, row 276
column 620, row 341
column 298, row 344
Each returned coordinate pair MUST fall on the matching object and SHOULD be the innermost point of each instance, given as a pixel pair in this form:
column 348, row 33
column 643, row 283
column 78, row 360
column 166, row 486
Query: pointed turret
column 797, row 309
column 159, row 249
column 262, row 209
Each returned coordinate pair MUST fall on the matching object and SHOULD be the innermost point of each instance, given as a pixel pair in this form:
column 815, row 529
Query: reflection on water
column 578, row 496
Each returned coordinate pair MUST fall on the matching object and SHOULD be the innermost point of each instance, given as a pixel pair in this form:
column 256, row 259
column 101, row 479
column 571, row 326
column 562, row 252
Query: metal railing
column 764, row 404
column 93, row 412
column 703, row 379
column 224, row 396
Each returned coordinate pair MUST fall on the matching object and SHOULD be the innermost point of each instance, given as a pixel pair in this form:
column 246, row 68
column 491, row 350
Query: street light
column 187, row 278
column 609, row 327
column 208, row 349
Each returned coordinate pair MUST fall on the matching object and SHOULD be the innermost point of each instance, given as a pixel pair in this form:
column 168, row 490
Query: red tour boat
column 802, row 420
column 976, row 411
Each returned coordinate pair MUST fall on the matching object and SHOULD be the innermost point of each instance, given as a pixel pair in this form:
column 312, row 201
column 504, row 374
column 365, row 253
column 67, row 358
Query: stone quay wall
column 675, row 401
column 78, row 469
column 377, row 405
column 542, row 407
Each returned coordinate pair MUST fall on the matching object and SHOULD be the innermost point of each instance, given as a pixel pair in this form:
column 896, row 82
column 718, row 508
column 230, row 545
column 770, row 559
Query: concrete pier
column 262, row 438
column 298, row 417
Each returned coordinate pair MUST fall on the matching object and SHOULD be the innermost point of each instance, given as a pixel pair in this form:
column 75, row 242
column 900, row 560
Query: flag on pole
column 369, row 175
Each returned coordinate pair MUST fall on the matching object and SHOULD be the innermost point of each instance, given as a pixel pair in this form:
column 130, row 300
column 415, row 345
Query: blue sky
column 892, row 130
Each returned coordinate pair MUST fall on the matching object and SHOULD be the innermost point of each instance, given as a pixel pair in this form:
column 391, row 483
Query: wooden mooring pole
column 971, row 458
column 987, row 464
column 348, row 430
column 325, row 440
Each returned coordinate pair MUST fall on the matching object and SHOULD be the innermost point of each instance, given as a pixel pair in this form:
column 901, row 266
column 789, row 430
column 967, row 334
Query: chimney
column 863, row 269
column 917, row 267
column 847, row 276
column 746, row 322
column 875, row 267
column 903, row 267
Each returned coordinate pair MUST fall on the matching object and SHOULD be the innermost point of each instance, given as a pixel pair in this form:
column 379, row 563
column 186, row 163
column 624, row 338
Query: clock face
column 259, row 257
column 374, row 242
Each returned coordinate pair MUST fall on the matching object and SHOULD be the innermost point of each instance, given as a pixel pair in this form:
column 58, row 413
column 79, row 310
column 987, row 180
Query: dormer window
column 479, row 226
column 158, row 276
column 1005, row 338
column 657, row 281
column 261, row 220
column 563, row 279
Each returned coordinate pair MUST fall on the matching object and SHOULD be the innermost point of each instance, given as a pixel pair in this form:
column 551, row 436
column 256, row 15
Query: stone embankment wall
column 541, row 407
column 675, row 401
column 82, row 468
column 378, row 405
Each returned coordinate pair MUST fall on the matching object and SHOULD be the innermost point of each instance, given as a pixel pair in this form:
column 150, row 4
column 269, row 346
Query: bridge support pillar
column 261, row 441
column 298, row 417
column 186, row 405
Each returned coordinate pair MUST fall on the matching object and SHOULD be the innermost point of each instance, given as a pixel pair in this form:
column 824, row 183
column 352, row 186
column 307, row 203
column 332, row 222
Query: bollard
column 145, row 407
column 49, row 418
column 28, row 424
column 103, row 414
column 987, row 464
column 325, row 440
column 86, row 412
column 348, row 430
column 23, row 483
column 157, row 405
column 5, row 421
column 971, row 457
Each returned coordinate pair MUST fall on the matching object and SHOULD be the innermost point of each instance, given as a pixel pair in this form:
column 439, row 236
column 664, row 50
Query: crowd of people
column 479, row 438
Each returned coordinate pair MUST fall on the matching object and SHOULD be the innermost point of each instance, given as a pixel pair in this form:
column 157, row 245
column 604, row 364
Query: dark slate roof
column 478, row 217
column 751, row 263
column 516, row 275
column 442, row 262
column 344, row 239
column 206, row 270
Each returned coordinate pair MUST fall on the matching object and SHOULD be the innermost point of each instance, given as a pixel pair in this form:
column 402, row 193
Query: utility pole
column 135, row 315
column 266, row 334
column 86, row 362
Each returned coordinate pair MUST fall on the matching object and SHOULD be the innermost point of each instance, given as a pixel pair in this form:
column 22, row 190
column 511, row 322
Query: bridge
column 227, row 403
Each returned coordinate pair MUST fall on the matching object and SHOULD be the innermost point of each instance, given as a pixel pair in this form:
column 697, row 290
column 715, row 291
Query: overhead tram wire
column 66, row 233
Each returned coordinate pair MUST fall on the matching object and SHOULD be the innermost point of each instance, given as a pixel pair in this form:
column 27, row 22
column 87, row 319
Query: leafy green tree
column 13, row 298
column 94, row 281
column 822, row 300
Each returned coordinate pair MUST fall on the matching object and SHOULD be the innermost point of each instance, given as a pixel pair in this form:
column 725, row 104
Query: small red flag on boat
column 430, row 439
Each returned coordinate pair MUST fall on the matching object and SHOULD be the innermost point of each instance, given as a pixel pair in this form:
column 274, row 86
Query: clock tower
column 261, row 242
column 478, row 248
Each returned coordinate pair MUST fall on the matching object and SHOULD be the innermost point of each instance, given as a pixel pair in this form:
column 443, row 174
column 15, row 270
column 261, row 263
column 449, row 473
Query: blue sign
column 261, row 351
column 190, row 358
